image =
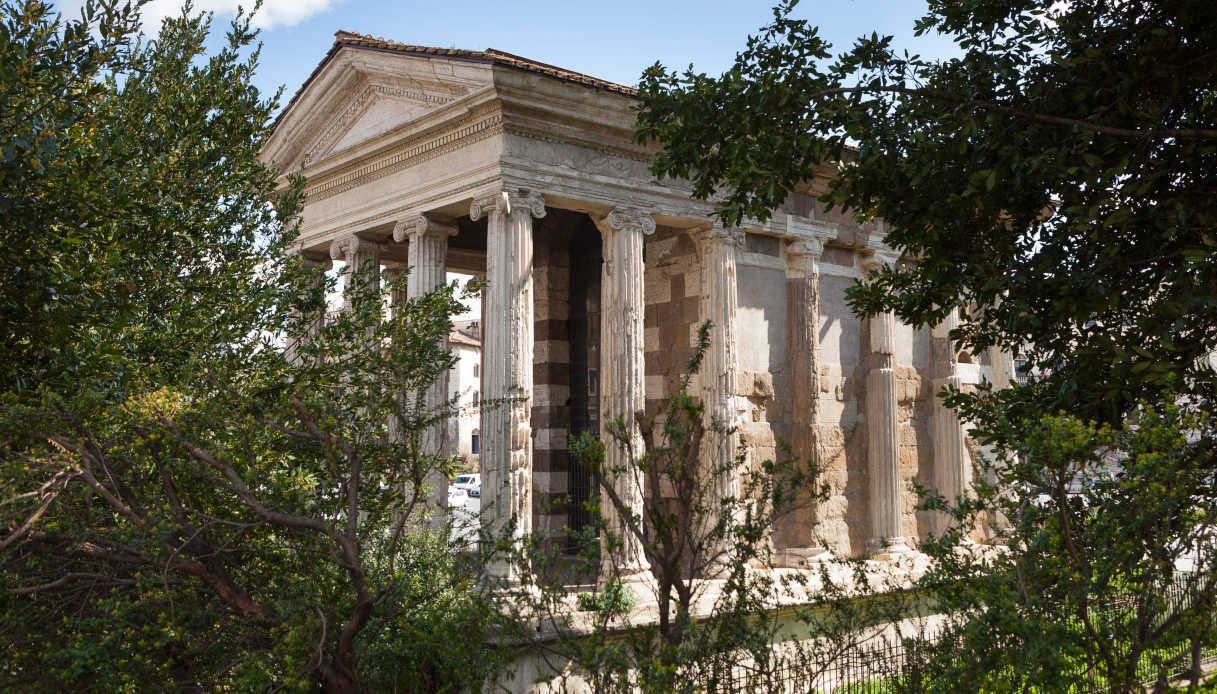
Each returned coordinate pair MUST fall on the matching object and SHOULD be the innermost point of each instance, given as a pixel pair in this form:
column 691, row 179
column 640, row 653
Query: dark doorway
column 584, row 326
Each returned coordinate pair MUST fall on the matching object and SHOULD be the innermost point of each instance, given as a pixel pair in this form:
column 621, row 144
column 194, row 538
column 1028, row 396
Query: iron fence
column 887, row 667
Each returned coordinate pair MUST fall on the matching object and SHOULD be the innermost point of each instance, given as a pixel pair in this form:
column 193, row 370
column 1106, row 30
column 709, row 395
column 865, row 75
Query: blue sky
column 613, row 40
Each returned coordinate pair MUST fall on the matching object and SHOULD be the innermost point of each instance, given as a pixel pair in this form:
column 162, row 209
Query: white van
column 469, row 481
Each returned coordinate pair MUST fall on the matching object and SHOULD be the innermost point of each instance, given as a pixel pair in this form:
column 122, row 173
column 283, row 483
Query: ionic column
column 507, row 352
column 952, row 464
column 803, row 309
column 428, row 254
column 720, row 367
column 623, row 371
column 428, row 257
column 803, row 349
column 883, row 436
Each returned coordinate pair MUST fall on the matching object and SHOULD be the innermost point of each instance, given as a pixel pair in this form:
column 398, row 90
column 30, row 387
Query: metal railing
column 884, row 668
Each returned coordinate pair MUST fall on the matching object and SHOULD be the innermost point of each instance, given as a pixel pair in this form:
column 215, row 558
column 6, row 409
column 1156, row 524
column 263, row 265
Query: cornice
column 461, row 132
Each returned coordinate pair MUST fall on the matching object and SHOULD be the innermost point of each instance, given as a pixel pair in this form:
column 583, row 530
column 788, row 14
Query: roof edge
column 345, row 39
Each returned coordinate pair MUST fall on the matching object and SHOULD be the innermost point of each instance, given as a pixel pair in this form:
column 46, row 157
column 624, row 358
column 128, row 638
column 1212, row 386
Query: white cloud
column 273, row 13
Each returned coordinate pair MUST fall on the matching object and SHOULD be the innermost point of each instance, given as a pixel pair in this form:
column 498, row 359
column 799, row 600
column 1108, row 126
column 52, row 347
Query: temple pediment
column 376, row 108
column 357, row 95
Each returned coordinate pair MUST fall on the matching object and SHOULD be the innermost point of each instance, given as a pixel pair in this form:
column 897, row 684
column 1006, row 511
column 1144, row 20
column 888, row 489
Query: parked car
column 468, row 481
column 457, row 496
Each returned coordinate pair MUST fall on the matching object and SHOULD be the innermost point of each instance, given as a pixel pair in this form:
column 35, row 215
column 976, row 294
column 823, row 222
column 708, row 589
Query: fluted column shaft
column 720, row 302
column 623, row 373
column 952, row 465
column 803, row 300
column 803, row 350
column 883, row 438
column 428, row 257
column 507, row 351
column 953, row 468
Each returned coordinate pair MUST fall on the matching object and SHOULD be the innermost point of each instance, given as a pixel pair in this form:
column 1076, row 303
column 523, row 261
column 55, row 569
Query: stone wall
column 763, row 386
column 551, row 378
column 672, row 293
column 840, row 434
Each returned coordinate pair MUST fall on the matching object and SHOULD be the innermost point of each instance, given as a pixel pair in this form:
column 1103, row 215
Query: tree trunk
column 339, row 677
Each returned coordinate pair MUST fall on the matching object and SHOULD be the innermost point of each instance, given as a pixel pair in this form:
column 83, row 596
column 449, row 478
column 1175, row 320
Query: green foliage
column 1108, row 578
column 1054, row 181
column 201, row 486
column 1056, row 176
column 613, row 598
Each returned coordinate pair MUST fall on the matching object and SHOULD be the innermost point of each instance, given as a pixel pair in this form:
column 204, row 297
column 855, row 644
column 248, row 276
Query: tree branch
column 1153, row 134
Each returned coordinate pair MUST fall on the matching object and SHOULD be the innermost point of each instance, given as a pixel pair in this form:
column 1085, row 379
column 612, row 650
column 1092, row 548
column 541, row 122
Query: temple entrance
column 584, row 326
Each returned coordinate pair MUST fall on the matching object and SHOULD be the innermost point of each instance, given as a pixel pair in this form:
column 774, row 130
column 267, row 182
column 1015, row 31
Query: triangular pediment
column 374, row 109
column 358, row 95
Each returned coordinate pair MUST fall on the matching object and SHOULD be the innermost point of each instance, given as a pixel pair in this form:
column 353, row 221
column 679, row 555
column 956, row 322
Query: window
column 475, row 398
column 474, row 443
column 475, row 370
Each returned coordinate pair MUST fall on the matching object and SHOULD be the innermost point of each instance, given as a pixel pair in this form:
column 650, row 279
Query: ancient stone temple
column 599, row 275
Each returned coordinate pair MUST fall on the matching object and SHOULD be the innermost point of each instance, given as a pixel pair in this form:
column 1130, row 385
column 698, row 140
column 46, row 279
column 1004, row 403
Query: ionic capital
column 883, row 255
column 626, row 219
column 506, row 202
column 423, row 225
column 344, row 249
column 805, row 249
column 717, row 235
column 803, row 257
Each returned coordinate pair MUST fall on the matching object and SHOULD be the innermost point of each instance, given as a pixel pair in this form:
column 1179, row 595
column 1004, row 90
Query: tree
column 1054, row 181
column 186, row 502
column 1056, row 175
column 1106, row 583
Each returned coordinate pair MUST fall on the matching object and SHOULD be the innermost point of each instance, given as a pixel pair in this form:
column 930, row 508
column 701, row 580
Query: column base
column 639, row 573
column 889, row 548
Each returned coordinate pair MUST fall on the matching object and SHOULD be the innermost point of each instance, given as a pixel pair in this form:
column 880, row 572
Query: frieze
column 603, row 149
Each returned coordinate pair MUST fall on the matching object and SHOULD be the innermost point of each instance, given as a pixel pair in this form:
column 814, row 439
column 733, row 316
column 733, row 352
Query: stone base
column 889, row 548
column 625, row 574
column 805, row 557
